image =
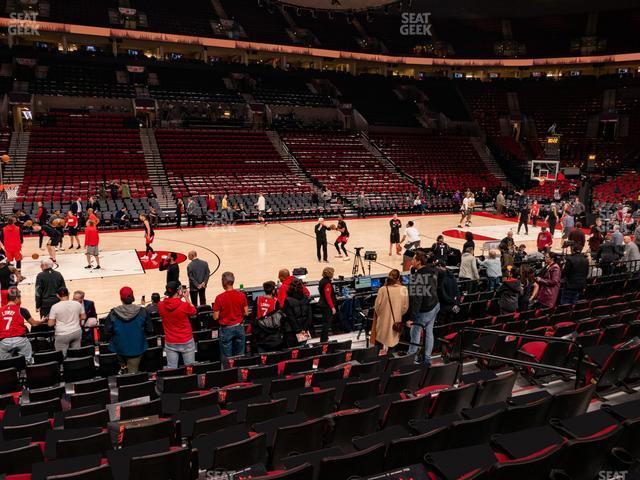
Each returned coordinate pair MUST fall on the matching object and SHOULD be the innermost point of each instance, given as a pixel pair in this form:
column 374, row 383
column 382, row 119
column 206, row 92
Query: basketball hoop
column 11, row 190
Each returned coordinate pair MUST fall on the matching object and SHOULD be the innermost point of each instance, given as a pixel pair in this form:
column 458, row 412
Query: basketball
column 58, row 222
column 28, row 223
column 5, row 158
column 35, row 256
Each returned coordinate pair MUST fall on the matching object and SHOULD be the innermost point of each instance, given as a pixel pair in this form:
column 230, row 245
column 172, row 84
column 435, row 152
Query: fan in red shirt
column 175, row 311
column 544, row 241
column 72, row 228
column 13, row 333
column 285, row 278
column 229, row 310
column 91, row 241
column 12, row 242
column 267, row 303
column 92, row 216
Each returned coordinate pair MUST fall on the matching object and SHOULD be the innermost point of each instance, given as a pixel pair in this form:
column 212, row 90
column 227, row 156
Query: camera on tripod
column 371, row 256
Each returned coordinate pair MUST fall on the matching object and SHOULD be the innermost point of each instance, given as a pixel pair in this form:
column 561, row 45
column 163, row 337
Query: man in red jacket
column 175, row 311
column 12, row 242
column 544, row 241
column 91, row 241
column 285, row 278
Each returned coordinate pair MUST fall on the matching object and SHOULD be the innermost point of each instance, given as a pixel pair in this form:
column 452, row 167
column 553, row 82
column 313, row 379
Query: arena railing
column 465, row 352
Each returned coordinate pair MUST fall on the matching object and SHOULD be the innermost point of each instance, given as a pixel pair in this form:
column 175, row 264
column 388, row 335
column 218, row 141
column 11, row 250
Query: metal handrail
column 524, row 363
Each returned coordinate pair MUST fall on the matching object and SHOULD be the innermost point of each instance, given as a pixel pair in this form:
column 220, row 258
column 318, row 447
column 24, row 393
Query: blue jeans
column 15, row 346
column 231, row 341
column 569, row 296
column 424, row 321
column 174, row 350
column 493, row 283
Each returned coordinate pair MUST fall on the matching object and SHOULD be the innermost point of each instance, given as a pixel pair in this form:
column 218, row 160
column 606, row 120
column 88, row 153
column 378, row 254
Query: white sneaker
column 144, row 257
column 153, row 257
column 346, row 259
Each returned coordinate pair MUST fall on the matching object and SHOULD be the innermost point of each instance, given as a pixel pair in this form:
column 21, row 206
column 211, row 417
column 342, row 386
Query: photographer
column 575, row 272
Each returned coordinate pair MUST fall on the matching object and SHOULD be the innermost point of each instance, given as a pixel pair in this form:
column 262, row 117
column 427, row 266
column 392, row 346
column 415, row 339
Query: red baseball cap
column 125, row 292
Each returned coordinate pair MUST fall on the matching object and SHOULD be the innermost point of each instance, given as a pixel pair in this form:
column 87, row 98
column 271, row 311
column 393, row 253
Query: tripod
column 358, row 263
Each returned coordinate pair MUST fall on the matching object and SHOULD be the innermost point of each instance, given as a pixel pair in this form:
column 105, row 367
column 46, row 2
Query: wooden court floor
column 253, row 252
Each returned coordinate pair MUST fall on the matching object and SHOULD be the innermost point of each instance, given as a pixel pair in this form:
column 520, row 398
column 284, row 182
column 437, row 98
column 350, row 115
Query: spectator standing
column 152, row 308
column 509, row 294
column 549, row 282
column 212, row 208
column 179, row 213
column 507, row 249
column 575, row 273
column 469, row 243
column 616, row 237
column 67, row 317
column 361, row 203
column 175, row 311
column 392, row 302
column 48, row 283
column 529, row 288
column 493, row 266
column 229, row 309
column 578, row 237
column 544, row 242
column 13, row 333
column 297, row 314
column 285, row 279
column 198, row 273
column 500, row 203
column 568, row 224
column 328, row 303
column 125, row 190
column 423, row 305
column 191, row 212
column 631, row 255
column 468, row 267
column 126, row 327
column 523, row 219
column 595, row 242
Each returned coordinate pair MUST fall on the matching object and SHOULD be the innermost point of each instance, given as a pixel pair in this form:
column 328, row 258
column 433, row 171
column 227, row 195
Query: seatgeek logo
column 23, row 24
column 415, row 24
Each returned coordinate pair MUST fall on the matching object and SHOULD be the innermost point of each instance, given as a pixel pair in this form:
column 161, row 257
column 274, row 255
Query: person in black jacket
column 575, row 272
column 448, row 295
column 508, row 294
column 608, row 254
column 321, row 239
column 48, row 282
column 327, row 303
column 298, row 314
column 170, row 264
column 423, row 305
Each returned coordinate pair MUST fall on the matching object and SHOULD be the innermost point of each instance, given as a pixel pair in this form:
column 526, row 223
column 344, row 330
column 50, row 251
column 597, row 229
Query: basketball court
column 253, row 252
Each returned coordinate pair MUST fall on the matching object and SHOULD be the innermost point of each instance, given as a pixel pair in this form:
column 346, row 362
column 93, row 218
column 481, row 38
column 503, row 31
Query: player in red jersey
column 12, row 242
column 72, row 228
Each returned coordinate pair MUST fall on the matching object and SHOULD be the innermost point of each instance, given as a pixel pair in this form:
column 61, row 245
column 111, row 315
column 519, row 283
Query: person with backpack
column 126, row 327
column 266, row 320
column 298, row 315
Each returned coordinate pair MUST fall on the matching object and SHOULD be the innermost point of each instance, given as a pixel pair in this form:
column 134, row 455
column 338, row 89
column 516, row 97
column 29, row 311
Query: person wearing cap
column 13, row 333
column 321, row 240
column 126, row 327
column 229, row 310
column 48, row 282
column 67, row 316
column 175, row 311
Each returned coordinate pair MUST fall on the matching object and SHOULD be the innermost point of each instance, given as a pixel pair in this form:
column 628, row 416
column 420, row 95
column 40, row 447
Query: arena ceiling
column 467, row 8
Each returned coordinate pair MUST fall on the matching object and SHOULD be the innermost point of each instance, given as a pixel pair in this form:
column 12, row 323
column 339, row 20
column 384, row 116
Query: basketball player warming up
column 342, row 239
column 12, row 242
column 394, row 238
column 148, row 238
column 72, row 228
column 54, row 238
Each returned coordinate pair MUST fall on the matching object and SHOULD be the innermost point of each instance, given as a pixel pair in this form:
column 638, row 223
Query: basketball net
column 11, row 189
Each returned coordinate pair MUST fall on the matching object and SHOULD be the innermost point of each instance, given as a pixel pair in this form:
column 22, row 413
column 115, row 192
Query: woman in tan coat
column 392, row 303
